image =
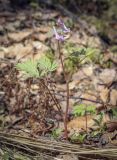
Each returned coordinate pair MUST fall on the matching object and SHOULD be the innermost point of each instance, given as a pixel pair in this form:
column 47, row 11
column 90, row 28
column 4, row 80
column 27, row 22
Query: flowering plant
column 60, row 37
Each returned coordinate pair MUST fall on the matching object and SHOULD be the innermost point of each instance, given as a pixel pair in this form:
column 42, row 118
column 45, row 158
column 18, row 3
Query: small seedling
column 78, row 137
column 99, row 123
column 80, row 110
column 57, row 133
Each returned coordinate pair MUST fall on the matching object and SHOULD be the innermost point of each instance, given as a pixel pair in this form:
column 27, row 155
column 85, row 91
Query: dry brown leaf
column 107, row 76
column 113, row 97
column 88, row 70
column 19, row 36
column 112, row 125
column 43, row 29
column 19, row 51
column 104, row 94
column 89, row 96
column 80, row 122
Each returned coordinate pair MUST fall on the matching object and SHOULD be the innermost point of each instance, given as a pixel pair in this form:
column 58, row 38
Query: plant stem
column 86, row 118
column 53, row 98
column 65, row 117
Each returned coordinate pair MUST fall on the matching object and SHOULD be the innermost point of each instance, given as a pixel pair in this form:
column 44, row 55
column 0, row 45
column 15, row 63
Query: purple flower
column 62, row 25
column 57, row 36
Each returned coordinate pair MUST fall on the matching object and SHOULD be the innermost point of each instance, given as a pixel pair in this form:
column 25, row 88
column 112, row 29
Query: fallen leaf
column 107, row 76
column 113, row 97
column 19, row 36
column 104, row 94
column 88, row 70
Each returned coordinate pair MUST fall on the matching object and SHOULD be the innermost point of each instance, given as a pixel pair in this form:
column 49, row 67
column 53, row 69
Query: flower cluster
column 61, row 37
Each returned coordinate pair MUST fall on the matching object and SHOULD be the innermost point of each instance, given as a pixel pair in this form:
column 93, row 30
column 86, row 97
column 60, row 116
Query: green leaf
column 97, row 122
column 37, row 68
column 81, row 109
column 6, row 156
column 57, row 132
column 77, row 137
column 45, row 64
column 29, row 67
column 91, row 109
column 114, row 111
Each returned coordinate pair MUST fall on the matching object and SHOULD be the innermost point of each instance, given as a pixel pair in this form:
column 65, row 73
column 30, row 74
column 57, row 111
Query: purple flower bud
column 62, row 25
column 57, row 36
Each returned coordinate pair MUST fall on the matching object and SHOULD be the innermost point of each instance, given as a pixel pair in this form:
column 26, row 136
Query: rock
column 113, row 97
column 107, row 76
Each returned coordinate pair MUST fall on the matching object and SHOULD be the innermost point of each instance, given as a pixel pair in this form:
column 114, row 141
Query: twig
column 53, row 98
column 85, row 99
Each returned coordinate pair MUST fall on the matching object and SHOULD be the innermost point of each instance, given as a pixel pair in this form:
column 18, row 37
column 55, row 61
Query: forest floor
column 26, row 108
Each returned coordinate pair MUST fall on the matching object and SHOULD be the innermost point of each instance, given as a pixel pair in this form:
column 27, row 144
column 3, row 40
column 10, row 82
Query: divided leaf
column 37, row 68
column 29, row 67
column 45, row 64
column 81, row 109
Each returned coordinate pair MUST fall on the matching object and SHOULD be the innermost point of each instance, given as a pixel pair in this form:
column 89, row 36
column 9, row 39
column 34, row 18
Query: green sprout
column 57, row 132
column 80, row 110
column 78, row 137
